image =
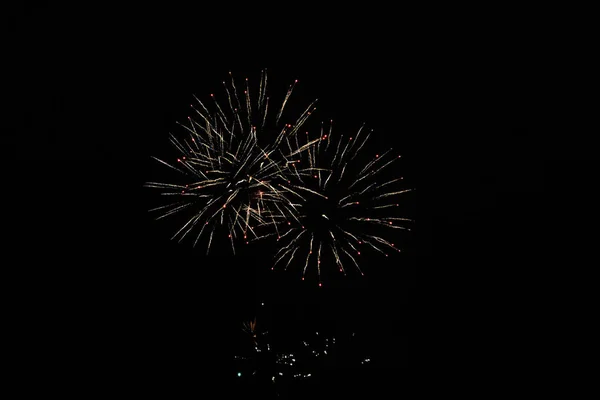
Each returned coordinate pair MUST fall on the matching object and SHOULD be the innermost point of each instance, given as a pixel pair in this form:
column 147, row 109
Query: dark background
column 100, row 295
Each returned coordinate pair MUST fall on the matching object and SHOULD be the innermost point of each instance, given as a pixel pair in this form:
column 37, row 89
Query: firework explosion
column 323, row 201
column 341, row 205
column 224, row 173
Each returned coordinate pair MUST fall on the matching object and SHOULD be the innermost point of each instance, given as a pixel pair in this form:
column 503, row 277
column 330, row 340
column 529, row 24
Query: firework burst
column 224, row 182
column 342, row 204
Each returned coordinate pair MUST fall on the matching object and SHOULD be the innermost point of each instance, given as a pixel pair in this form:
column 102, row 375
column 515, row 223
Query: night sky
column 103, row 297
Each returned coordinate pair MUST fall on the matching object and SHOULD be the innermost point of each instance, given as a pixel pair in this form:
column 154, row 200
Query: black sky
column 98, row 284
